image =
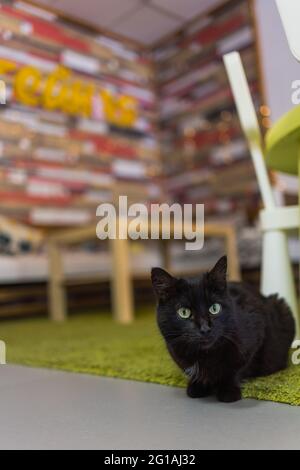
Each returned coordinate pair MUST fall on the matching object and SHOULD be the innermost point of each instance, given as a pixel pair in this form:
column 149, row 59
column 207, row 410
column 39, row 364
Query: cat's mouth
column 196, row 341
column 207, row 343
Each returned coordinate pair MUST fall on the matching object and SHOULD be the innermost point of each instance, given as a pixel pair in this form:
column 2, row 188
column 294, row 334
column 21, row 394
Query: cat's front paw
column 198, row 390
column 229, row 394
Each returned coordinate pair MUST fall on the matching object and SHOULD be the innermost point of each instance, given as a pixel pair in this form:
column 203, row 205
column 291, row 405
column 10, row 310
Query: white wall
column 280, row 69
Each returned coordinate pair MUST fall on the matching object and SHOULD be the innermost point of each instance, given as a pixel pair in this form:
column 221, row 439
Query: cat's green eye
column 184, row 313
column 215, row 309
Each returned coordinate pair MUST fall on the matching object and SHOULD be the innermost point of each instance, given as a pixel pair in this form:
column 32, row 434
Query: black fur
column 250, row 337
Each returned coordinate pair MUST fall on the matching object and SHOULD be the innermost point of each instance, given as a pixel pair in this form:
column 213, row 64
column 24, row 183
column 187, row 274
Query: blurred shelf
column 48, row 158
column 200, row 137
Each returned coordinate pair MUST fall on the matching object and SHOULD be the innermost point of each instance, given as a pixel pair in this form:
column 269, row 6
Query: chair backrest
column 289, row 11
column 249, row 122
column 243, row 99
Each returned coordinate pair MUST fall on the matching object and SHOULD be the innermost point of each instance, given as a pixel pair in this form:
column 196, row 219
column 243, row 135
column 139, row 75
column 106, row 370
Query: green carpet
column 94, row 344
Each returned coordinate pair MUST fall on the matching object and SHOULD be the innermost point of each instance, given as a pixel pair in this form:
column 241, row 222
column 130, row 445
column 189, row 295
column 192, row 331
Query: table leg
column 56, row 290
column 2, row 353
column 122, row 296
column 234, row 271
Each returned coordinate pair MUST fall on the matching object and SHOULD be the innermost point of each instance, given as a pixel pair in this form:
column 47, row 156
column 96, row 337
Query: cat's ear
column 218, row 274
column 163, row 283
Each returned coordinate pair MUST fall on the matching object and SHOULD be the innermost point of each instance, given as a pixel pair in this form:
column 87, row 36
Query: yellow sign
column 60, row 91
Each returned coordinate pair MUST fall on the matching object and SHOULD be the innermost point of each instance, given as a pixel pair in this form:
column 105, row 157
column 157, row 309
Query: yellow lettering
column 27, row 86
column 78, row 100
column 6, row 66
column 55, row 88
column 128, row 111
column 121, row 110
column 58, row 91
column 108, row 101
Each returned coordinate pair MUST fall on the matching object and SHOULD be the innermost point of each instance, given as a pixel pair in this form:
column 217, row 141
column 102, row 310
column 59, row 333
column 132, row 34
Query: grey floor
column 41, row 409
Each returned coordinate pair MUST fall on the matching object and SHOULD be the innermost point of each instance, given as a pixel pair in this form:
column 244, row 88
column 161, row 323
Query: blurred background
column 129, row 97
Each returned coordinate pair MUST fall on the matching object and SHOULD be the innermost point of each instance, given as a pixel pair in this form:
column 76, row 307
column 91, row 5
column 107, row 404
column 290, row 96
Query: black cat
column 221, row 332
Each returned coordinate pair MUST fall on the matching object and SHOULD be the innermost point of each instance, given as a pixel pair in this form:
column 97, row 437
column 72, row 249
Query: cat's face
column 193, row 315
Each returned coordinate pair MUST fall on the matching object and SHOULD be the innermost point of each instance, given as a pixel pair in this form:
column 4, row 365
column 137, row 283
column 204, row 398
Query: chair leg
column 277, row 275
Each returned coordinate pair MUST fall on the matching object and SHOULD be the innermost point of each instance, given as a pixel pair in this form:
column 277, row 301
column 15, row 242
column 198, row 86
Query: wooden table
column 121, row 279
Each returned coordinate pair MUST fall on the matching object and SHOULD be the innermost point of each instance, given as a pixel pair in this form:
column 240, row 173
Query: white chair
column 277, row 275
column 289, row 11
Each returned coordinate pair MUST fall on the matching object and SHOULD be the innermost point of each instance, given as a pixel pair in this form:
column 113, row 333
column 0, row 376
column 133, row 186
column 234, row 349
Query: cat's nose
column 204, row 328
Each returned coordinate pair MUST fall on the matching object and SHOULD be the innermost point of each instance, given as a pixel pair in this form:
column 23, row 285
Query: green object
column 283, row 143
column 94, row 344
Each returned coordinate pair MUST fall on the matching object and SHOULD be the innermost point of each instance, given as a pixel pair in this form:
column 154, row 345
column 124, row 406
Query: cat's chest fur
column 213, row 366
